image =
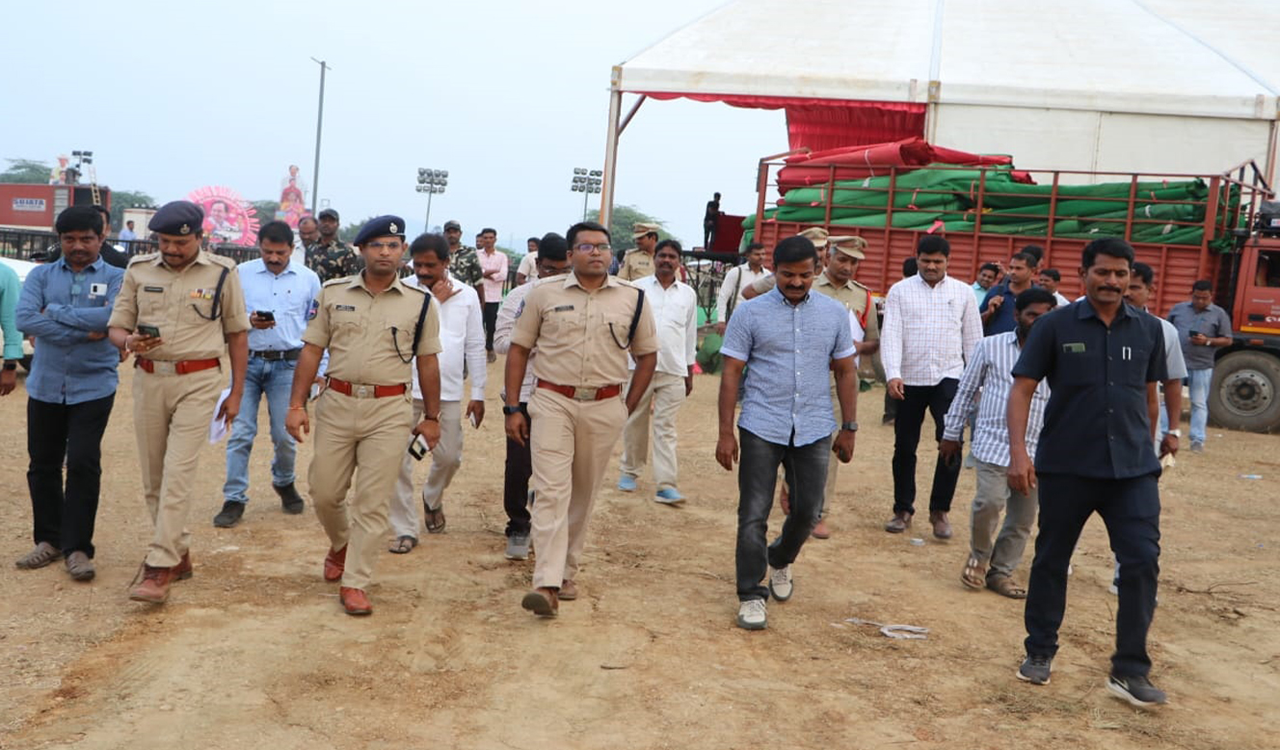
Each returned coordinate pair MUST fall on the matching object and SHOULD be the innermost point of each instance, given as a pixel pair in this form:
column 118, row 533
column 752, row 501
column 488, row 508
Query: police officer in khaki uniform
column 179, row 310
column 836, row 282
column 639, row 262
column 583, row 327
column 374, row 325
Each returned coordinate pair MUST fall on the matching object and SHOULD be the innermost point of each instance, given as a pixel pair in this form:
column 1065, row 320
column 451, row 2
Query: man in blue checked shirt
column 65, row 305
column 791, row 340
column 280, row 295
column 987, row 380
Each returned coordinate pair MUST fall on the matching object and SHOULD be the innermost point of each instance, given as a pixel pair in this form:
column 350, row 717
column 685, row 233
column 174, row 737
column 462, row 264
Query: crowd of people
column 1061, row 400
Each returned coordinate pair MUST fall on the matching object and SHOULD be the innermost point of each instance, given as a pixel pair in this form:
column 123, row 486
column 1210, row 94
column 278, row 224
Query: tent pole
column 611, row 150
column 1270, row 166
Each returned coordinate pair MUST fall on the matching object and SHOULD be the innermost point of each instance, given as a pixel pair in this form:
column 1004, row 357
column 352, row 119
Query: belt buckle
column 583, row 393
column 161, row 367
column 362, row 391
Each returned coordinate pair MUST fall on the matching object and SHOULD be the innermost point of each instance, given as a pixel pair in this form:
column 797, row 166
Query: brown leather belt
column 582, row 393
column 184, row 367
column 365, row 391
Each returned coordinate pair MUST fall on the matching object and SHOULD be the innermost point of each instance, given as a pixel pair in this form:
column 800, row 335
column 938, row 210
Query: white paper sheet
column 218, row 427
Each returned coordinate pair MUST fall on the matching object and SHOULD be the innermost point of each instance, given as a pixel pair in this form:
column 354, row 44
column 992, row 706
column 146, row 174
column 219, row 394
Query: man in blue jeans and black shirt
column 791, row 340
column 1103, row 359
column 280, row 295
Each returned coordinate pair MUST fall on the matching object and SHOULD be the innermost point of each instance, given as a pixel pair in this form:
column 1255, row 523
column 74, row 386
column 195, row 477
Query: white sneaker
column 780, row 583
column 752, row 615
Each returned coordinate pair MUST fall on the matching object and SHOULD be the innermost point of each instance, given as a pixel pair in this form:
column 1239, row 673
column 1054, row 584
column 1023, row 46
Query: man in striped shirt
column 931, row 325
column 987, row 379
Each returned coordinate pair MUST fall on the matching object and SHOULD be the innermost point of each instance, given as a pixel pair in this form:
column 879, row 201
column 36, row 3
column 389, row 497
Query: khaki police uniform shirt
column 636, row 264
column 855, row 298
column 180, row 304
column 581, row 336
column 370, row 336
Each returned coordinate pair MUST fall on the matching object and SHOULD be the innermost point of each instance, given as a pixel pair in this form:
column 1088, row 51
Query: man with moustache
column 1102, row 360
column 193, row 300
column 280, row 296
column 790, row 339
column 65, row 305
column 464, row 262
column 376, row 329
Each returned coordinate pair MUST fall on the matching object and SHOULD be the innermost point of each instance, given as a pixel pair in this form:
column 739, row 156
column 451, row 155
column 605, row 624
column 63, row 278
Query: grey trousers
column 445, row 459
column 1002, row 552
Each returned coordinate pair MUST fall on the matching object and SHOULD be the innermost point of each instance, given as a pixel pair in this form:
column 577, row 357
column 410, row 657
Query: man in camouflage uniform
column 330, row 257
column 464, row 263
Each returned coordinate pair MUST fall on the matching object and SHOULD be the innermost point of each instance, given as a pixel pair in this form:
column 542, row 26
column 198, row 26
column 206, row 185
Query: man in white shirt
column 462, row 341
column 675, row 312
column 736, row 281
column 553, row 261
column 931, row 325
column 1049, row 279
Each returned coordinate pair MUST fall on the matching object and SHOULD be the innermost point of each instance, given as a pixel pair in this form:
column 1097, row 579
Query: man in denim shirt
column 791, row 339
column 72, row 387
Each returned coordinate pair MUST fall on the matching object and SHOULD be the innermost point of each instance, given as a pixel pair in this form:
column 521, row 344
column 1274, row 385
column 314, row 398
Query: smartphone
column 418, row 447
column 1193, row 332
column 151, row 331
column 266, row 315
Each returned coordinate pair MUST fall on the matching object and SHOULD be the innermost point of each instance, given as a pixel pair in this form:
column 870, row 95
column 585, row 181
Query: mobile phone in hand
column 266, row 315
column 418, row 447
column 151, row 331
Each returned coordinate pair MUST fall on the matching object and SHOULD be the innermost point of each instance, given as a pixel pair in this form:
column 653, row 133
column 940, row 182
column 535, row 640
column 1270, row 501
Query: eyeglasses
column 587, row 247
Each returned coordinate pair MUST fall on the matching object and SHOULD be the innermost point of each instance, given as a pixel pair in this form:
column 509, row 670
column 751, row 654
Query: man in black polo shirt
column 1102, row 359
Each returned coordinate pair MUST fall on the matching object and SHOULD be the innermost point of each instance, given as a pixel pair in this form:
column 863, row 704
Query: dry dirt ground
column 255, row 652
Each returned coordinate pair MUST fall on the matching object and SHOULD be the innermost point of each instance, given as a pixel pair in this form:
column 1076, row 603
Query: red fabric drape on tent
column 822, row 124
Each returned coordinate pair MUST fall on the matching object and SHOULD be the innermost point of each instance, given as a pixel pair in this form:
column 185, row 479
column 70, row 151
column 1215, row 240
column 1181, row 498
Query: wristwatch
column 849, row 426
column 509, row 410
column 1175, row 433
column 10, row 366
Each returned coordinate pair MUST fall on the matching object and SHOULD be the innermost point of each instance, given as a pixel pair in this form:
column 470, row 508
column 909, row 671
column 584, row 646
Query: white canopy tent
column 1155, row 86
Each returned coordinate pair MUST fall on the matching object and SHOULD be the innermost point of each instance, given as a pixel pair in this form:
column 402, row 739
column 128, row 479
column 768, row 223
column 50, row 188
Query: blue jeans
column 273, row 379
column 1198, row 381
column 806, row 467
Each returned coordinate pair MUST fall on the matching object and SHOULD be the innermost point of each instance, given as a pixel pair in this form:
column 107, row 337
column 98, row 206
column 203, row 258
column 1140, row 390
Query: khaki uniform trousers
column 571, row 442
column 171, row 416
column 666, row 394
column 372, row 434
column 446, row 457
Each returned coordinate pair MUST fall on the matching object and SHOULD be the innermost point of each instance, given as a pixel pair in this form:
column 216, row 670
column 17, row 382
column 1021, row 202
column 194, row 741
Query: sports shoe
column 518, row 547
column 1197, row 447
column 1036, row 669
column 780, row 583
column 1137, row 690
column 290, row 501
column 752, row 615
column 627, row 483
column 229, row 515
column 669, row 496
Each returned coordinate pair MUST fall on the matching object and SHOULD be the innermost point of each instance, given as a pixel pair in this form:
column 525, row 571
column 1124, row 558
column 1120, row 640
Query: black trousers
column 1131, row 510
column 936, row 399
column 490, row 322
column 70, row 433
column 806, row 469
column 515, row 483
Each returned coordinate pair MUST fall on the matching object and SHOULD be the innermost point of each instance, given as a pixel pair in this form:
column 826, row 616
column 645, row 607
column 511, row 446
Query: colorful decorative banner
column 293, row 199
column 228, row 218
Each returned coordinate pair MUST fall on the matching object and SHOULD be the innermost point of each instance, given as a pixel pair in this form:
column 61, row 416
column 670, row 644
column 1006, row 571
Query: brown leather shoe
column 544, row 602
column 182, row 571
column 899, row 523
column 154, row 587
column 334, row 563
column 941, row 526
column 355, row 601
column 568, row 591
column 820, row 530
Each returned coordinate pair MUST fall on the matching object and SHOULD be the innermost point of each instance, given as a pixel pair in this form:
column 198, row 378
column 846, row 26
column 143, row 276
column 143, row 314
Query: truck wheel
column 1245, row 394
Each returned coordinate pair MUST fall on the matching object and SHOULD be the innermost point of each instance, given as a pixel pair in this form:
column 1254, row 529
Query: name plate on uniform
column 153, row 289
column 345, row 308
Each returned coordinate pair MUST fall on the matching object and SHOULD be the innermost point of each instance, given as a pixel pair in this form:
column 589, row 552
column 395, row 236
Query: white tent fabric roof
column 1175, row 57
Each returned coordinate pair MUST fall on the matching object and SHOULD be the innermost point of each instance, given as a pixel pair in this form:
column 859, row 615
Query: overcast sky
column 508, row 96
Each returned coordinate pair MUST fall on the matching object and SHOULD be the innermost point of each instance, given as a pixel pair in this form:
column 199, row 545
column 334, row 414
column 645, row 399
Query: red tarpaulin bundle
column 860, row 162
